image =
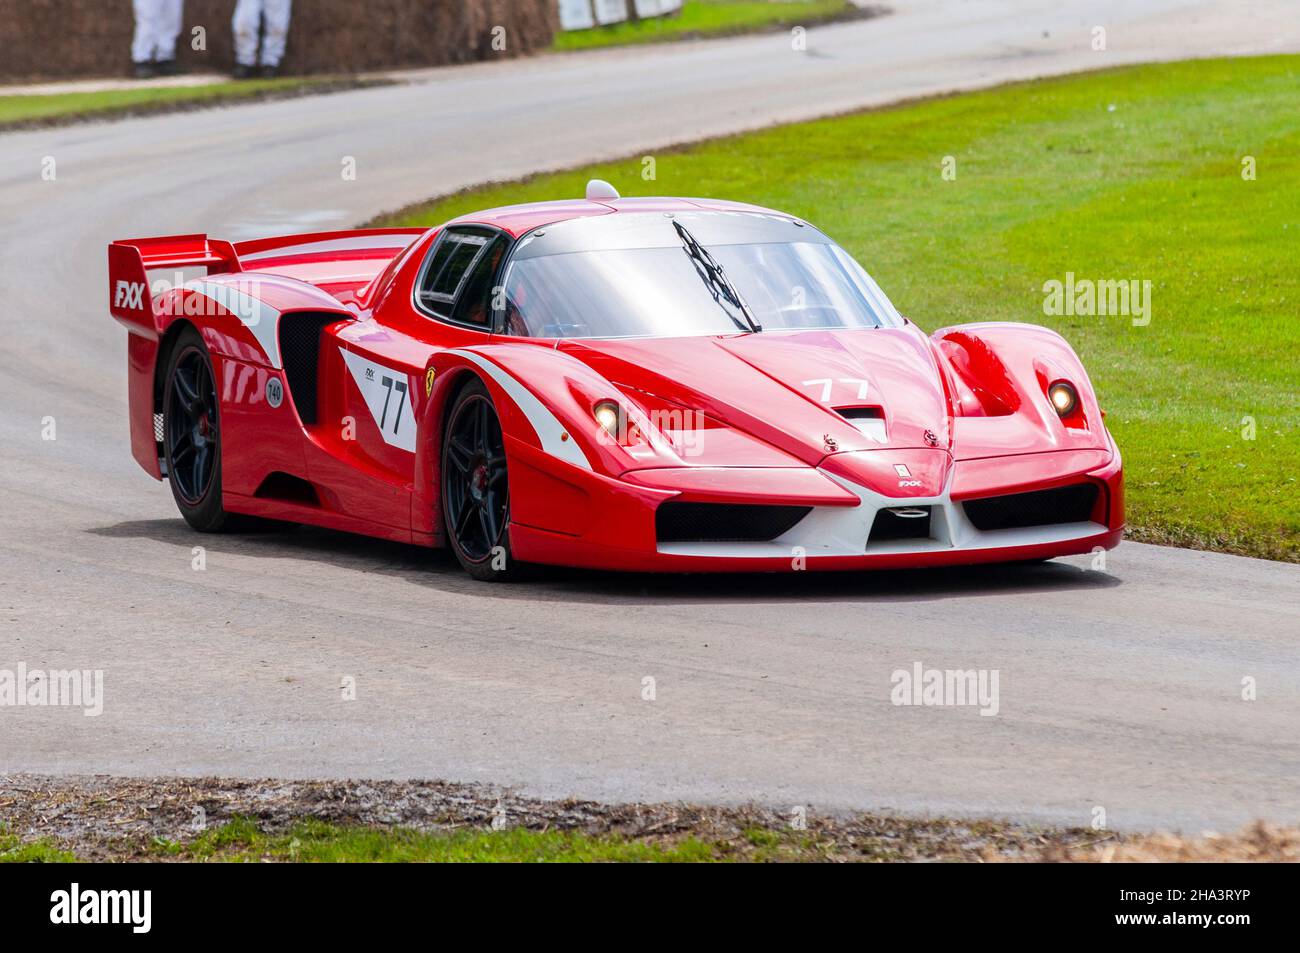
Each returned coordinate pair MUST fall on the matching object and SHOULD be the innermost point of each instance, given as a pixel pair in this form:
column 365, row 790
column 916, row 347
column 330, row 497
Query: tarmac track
column 1119, row 688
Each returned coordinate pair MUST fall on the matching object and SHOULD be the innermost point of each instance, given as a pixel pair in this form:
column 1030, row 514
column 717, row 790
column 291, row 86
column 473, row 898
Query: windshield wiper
column 715, row 279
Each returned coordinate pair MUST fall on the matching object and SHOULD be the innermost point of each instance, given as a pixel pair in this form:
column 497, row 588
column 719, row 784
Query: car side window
column 475, row 303
column 448, row 269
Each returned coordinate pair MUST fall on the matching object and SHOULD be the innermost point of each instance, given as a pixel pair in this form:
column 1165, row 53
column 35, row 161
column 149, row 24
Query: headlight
column 607, row 415
column 1063, row 397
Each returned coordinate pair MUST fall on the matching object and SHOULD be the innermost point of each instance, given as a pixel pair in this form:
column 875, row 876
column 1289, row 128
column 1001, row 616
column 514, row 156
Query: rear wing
column 130, row 295
column 388, row 242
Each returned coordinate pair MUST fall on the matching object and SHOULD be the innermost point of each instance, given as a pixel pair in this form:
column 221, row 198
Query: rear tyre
column 192, row 435
column 476, row 487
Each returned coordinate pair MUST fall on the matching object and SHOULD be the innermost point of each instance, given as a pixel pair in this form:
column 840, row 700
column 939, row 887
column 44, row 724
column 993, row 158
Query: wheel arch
column 537, row 397
column 162, row 362
column 441, row 391
column 166, row 345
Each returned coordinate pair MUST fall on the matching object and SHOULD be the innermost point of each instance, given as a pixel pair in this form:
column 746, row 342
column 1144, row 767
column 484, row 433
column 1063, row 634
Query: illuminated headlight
column 607, row 415
column 1063, row 397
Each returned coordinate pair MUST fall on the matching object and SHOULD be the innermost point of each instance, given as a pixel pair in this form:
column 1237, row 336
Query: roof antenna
column 598, row 190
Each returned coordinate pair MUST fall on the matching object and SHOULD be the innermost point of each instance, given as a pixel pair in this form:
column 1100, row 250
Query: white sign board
column 585, row 14
column 576, row 15
column 611, row 11
column 656, row 8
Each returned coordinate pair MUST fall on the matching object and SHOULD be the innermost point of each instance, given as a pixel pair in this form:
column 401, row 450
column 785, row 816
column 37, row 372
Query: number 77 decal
column 400, row 387
column 385, row 390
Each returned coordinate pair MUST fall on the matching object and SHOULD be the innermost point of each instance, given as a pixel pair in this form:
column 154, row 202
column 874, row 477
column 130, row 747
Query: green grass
column 313, row 841
column 242, row 840
column 1130, row 173
column 64, row 107
column 864, row 839
column 709, row 18
column 308, row 840
column 15, row 851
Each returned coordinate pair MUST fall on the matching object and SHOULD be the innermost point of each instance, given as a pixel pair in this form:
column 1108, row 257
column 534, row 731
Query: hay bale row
column 68, row 39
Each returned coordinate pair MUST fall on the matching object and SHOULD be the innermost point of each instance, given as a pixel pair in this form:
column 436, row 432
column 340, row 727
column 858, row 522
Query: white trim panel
column 844, row 530
column 547, row 426
column 256, row 315
column 386, row 391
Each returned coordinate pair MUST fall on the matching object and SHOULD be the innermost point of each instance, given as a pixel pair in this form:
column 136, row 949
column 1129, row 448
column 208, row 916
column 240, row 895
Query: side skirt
column 315, row 516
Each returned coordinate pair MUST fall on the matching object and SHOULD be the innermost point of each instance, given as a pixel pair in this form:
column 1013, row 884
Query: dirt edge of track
column 115, row 819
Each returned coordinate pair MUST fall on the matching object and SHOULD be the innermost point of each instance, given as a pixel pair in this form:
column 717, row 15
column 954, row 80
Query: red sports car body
column 633, row 384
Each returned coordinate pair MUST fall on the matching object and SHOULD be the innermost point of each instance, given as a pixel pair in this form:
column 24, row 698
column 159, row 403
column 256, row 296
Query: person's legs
column 277, row 31
column 173, row 20
column 144, row 44
column 247, row 20
column 173, row 14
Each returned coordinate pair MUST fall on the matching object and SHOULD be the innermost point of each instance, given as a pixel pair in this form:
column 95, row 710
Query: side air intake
column 300, row 340
column 289, row 489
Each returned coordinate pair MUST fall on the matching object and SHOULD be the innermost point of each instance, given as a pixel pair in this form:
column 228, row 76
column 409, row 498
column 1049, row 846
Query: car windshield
column 658, row 275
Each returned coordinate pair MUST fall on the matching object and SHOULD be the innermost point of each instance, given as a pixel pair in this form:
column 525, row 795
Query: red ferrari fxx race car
column 636, row 384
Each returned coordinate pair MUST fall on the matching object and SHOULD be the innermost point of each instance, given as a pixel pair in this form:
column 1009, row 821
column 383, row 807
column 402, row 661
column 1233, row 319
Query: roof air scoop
column 598, row 190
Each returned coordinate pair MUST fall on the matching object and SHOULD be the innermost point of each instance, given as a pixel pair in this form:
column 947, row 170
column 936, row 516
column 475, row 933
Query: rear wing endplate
column 130, row 295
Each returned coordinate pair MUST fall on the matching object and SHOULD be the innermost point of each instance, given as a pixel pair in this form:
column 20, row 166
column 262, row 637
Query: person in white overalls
column 157, row 28
column 249, row 16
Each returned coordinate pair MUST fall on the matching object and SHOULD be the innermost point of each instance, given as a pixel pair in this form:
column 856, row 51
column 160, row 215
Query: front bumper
column 566, row 516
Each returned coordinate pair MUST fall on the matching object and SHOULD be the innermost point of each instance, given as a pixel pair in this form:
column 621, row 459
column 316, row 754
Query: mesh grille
column 724, row 522
column 1066, row 504
column 157, row 428
column 300, row 352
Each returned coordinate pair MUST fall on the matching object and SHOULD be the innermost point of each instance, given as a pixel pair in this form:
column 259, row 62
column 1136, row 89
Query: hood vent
column 869, row 420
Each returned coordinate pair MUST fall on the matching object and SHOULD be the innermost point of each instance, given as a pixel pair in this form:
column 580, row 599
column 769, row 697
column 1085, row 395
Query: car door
column 377, row 372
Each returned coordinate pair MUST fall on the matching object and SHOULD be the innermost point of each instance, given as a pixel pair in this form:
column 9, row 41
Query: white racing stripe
column 256, row 315
column 548, row 428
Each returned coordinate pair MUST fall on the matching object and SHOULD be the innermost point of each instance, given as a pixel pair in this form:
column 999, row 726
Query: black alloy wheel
column 476, row 487
column 192, row 438
column 192, row 424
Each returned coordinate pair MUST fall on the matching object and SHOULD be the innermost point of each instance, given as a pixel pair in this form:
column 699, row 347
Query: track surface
column 1119, row 688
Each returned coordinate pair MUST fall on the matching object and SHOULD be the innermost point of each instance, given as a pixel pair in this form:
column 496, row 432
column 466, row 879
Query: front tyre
column 476, row 487
column 192, row 435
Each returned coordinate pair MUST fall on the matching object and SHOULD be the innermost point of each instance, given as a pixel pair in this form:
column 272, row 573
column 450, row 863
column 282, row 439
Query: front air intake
column 724, row 522
column 1064, row 504
column 901, row 522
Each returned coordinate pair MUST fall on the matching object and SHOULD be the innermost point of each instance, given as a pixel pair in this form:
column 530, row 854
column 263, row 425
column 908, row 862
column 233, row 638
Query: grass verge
column 314, row 841
column 1129, row 174
column 155, row 820
column 707, row 18
column 39, row 850
column 59, row 109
